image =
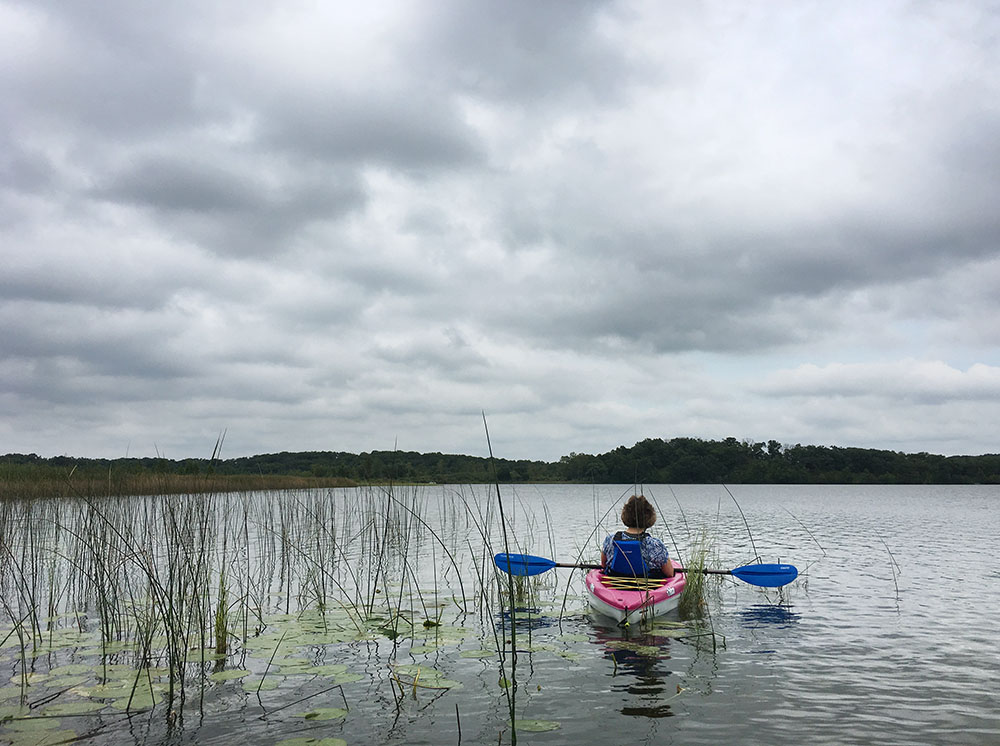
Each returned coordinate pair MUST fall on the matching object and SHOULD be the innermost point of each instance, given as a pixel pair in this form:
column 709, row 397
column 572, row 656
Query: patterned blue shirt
column 654, row 553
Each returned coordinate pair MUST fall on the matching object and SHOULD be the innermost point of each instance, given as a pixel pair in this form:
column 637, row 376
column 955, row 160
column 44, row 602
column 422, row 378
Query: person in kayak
column 633, row 551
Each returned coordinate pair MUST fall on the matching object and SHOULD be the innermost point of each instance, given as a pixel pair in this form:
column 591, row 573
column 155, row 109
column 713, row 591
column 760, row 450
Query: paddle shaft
column 703, row 570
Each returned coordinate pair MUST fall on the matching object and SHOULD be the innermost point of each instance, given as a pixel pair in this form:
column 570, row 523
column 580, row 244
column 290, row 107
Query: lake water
column 889, row 636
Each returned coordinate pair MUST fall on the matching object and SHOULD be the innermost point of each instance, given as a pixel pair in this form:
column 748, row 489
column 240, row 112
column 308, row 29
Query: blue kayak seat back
column 626, row 556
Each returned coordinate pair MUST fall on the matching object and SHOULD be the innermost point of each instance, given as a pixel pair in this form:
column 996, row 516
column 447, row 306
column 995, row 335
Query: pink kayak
column 628, row 600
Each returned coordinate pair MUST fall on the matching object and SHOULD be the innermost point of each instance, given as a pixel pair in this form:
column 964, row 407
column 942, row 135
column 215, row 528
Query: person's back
column 633, row 552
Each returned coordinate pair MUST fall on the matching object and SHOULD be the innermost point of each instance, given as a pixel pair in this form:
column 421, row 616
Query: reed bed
column 24, row 483
column 154, row 600
column 184, row 582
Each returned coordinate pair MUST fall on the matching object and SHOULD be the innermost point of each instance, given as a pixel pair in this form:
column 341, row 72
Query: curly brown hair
column 638, row 513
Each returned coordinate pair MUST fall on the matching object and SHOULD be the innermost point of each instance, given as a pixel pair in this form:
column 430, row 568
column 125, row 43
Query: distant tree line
column 696, row 461
column 376, row 466
column 651, row 461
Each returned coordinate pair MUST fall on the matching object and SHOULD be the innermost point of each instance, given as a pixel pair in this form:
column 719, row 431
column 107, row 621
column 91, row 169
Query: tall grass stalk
column 174, row 581
column 693, row 602
column 512, row 688
column 222, row 616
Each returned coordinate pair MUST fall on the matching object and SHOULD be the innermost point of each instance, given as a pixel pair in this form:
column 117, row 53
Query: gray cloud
column 393, row 128
column 523, row 53
column 342, row 227
column 231, row 211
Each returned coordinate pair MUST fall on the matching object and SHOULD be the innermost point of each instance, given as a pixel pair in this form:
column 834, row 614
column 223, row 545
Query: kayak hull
column 633, row 600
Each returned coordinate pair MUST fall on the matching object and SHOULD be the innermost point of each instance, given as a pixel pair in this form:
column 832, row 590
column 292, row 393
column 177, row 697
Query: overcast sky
column 347, row 226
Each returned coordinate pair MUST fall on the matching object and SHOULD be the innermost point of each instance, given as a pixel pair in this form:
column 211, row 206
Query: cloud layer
column 346, row 228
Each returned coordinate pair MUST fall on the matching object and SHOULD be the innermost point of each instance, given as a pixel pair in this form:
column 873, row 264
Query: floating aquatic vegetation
column 140, row 700
column 292, row 666
column 536, row 726
column 71, row 669
column 649, row 651
column 32, row 724
column 206, row 654
column 262, row 684
column 416, row 676
column 324, row 713
column 484, row 653
column 40, row 737
column 79, row 707
column 10, row 691
column 229, row 675
column 153, row 598
column 8, row 712
column 330, row 669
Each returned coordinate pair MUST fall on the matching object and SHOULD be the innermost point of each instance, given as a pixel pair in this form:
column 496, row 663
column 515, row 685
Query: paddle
column 766, row 576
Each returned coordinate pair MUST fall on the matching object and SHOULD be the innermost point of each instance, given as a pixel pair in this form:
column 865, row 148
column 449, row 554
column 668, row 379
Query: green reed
column 693, row 603
column 186, row 582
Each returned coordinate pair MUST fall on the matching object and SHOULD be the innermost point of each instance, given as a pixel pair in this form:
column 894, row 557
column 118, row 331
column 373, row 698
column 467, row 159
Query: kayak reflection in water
column 640, row 673
column 633, row 551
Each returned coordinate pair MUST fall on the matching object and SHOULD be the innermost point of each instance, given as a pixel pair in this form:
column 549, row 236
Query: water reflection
column 640, row 671
column 525, row 619
column 768, row 615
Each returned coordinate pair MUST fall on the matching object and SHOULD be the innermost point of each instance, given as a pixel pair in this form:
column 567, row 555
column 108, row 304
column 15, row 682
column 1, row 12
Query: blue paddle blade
column 767, row 576
column 522, row 564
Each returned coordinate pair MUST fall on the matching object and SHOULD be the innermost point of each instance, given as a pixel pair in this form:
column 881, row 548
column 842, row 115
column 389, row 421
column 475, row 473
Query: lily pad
column 423, row 649
column 14, row 711
column 484, row 653
column 33, row 679
column 536, row 726
column 40, row 738
column 324, row 713
column 9, row 692
column 73, row 708
column 206, row 654
column 294, row 666
column 113, row 646
column 410, row 674
column 141, row 700
column 269, row 683
column 115, row 689
column 72, row 669
column 33, row 724
column 266, row 642
column 334, row 636
column 661, row 624
column 675, row 633
column 343, row 678
column 236, row 673
column 330, row 669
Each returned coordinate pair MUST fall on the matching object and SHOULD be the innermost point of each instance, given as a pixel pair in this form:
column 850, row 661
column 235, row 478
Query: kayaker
column 633, row 551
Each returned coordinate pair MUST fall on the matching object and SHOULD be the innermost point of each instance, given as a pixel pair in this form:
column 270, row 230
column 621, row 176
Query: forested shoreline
column 651, row 461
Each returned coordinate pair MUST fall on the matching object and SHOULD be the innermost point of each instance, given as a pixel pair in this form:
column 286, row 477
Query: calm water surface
column 889, row 636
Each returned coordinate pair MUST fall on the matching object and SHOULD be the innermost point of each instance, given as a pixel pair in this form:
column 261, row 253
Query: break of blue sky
column 323, row 227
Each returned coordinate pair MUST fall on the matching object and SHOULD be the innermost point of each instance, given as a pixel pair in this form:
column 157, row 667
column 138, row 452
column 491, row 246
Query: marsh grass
column 693, row 604
column 157, row 578
column 26, row 482
column 177, row 597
